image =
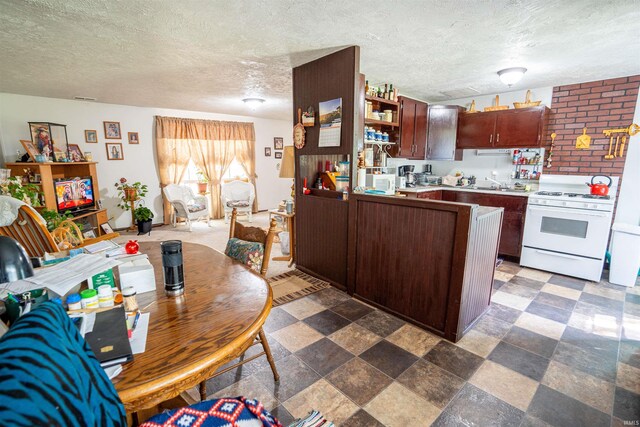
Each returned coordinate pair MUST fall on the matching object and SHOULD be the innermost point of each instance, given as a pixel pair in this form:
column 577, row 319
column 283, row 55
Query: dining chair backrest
column 254, row 234
column 30, row 230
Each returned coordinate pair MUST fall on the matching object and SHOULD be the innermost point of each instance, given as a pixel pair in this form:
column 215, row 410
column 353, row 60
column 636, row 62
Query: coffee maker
column 407, row 172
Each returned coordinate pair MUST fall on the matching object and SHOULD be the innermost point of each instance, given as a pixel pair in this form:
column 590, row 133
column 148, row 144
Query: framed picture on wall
column 133, row 138
column 91, row 136
column 278, row 143
column 278, row 154
column 267, row 151
column 112, row 130
column 114, row 151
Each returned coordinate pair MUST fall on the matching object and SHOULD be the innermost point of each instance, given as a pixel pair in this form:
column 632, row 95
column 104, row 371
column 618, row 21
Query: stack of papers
column 62, row 277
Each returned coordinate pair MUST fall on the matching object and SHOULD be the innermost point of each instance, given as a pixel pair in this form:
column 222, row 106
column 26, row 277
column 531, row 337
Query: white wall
column 628, row 210
column 139, row 162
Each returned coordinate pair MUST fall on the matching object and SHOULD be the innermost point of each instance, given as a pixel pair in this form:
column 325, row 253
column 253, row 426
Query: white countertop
column 420, row 189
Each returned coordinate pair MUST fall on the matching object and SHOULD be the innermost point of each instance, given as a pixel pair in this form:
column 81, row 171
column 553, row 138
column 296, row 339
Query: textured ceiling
column 207, row 55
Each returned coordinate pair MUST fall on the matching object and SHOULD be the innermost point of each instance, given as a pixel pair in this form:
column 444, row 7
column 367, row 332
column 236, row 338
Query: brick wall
column 598, row 105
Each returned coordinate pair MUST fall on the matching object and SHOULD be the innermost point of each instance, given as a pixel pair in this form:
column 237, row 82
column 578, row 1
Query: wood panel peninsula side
column 429, row 262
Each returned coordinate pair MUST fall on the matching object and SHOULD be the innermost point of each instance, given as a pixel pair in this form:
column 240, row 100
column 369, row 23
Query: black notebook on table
column 109, row 339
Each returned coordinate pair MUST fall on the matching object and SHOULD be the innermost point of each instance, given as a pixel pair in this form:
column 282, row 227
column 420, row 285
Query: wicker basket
column 497, row 107
column 527, row 102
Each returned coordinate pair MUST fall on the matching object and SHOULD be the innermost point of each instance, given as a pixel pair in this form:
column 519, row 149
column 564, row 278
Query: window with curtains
column 235, row 171
column 220, row 149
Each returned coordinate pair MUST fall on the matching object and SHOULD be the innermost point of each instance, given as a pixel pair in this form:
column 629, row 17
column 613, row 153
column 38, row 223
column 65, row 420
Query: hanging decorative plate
column 298, row 132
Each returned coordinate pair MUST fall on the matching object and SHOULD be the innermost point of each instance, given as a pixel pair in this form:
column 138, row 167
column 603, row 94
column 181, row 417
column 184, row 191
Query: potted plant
column 143, row 217
column 28, row 193
column 129, row 193
column 54, row 218
column 203, row 182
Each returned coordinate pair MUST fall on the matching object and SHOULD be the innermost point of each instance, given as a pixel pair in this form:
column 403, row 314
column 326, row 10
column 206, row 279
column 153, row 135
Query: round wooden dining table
column 223, row 308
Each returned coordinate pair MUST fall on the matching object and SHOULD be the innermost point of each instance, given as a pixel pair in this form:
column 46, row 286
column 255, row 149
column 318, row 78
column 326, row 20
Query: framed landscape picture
column 133, row 138
column 106, row 228
column 114, row 151
column 91, row 136
column 112, row 130
column 278, row 154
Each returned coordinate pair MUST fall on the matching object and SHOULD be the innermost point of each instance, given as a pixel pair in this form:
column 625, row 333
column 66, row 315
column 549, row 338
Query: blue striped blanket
column 50, row 377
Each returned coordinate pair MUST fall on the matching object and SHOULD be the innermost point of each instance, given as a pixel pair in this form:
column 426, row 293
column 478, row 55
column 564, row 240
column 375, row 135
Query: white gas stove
column 566, row 228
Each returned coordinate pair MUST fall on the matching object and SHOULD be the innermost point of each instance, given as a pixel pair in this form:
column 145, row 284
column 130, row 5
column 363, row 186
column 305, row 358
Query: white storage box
column 139, row 274
column 625, row 254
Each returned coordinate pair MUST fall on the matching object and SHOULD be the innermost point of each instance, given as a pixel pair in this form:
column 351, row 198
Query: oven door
column 569, row 231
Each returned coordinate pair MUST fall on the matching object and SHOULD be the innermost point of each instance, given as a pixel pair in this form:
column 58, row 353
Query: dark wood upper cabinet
column 476, row 130
column 516, row 128
column 413, row 129
column 442, row 132
column 420, row 139
column 520, row 128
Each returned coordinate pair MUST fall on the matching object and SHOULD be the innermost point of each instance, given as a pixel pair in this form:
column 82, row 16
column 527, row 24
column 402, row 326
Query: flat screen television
column 75, row 194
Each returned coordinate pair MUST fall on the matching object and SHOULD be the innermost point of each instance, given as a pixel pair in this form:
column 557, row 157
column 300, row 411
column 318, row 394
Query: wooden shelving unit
column 55, row 170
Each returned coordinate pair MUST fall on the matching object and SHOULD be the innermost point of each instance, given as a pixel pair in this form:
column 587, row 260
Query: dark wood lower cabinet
column 431, row 195
column 515, row 208
column 428, row 262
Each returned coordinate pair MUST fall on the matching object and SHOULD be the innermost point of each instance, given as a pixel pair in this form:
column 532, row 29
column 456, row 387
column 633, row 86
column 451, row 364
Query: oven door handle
column 568, row 210
column 558, row 254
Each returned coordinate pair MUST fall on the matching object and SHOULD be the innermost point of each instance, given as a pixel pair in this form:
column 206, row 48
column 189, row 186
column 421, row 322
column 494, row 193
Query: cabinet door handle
column 490, row 139
column 497, row 138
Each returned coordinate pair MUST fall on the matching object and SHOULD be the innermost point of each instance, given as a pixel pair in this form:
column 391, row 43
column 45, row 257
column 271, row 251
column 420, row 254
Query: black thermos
column 172, row 267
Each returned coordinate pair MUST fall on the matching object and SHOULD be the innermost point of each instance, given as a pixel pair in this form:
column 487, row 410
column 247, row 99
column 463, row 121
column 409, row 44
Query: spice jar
column 129, row 296
column 73, row 302
column 89, row 298
column 105, row 296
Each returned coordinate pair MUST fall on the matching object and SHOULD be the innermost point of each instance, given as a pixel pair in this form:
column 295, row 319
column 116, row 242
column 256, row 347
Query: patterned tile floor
column 551, row 350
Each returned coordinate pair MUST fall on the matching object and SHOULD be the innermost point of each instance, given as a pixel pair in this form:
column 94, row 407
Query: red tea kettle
column 600, row 189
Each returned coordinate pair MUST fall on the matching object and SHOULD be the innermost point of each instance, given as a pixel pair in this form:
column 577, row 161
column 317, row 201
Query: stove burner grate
column 549, row 193
column 595, row 196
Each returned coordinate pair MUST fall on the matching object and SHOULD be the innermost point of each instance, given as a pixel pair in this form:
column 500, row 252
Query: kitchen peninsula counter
column 429, row 262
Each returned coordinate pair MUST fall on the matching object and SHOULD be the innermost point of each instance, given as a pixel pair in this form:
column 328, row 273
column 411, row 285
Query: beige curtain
column 212, row 146
column 246, row 156
column 173, row 152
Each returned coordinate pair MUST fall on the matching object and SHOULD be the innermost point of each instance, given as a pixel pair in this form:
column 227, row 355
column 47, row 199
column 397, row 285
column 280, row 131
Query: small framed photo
column 112, row 130
column 133, row 138
column 36, row 178
column 60, row 156
column 106, row 228
column 278, row 143
column 267, row 151
column 91, row 136
column 31, row 148
column 89, row 234
column 114, row 151
column 75, row 153
column 278, row 154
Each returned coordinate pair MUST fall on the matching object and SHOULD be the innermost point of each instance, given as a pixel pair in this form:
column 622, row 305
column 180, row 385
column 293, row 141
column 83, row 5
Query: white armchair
column 185, row 204
column 240, row 195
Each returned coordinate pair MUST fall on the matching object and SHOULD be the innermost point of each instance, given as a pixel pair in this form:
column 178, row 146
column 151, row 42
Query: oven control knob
column 564, row 203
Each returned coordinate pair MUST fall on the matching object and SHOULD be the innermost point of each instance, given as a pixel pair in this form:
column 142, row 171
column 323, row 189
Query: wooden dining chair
column 244, row 243
column 30, row 230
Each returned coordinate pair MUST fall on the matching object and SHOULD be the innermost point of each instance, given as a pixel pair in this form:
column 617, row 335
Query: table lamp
column 14, row 261
column 287, row 169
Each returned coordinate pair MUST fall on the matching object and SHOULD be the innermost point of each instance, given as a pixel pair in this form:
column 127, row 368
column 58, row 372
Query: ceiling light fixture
column 253, row 103
column 84, row 98
column 511, row 76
